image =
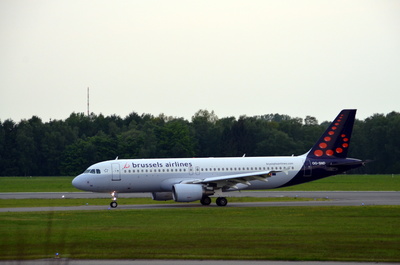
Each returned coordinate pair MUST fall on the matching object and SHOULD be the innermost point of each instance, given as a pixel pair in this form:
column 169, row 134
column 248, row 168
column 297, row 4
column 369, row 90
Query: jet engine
column 187, row 192
column 161, row 196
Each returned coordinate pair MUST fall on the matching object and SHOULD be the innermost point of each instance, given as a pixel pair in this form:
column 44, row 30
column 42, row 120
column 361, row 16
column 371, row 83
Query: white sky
column 175, row 57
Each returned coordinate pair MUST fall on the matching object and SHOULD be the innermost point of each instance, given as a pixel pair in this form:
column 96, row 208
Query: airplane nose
column 78, row 182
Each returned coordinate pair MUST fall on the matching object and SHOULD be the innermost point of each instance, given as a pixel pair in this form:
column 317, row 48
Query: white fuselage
column 191, row 179
column 159, row 175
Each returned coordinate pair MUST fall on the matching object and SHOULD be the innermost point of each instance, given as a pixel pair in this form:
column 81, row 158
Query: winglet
column 335, row 141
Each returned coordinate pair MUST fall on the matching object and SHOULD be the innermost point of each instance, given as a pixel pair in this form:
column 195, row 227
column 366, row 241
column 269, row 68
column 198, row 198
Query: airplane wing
column 230, row 181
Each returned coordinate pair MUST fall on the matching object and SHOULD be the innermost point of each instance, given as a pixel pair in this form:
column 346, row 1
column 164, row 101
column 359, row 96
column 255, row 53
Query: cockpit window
column 92, row 171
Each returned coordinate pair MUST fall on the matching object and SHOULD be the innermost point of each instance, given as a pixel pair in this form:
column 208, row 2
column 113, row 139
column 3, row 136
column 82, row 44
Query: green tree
column 28, row 139
column 206, row 133
column 174, row 139
column 85, row 152
column 9, row 160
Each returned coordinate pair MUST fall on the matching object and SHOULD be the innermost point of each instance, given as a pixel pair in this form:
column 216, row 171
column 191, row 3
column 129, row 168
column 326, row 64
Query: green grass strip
column 350, row 183
column 363, row 233
column 37, row 184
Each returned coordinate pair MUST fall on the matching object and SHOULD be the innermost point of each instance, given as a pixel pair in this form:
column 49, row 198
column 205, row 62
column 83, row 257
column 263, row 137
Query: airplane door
column 307, row 168
column 116, row 174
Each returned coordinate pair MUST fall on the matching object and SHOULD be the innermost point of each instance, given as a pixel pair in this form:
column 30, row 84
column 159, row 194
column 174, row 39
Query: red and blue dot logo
column 334, row 141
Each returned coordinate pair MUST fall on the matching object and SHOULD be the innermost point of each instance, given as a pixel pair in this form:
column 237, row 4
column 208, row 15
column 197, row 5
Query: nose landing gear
column 114, row 198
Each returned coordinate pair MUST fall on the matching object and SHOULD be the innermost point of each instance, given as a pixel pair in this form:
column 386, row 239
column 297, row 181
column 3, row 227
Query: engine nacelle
column 187, row 192
column 161, row 196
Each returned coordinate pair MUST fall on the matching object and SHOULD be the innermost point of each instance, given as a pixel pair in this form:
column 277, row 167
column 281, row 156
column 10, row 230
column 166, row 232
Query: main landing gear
column 221, row 201
column 114, row 198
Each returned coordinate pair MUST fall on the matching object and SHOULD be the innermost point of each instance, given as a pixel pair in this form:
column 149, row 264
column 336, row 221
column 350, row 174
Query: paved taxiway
column 336, row 198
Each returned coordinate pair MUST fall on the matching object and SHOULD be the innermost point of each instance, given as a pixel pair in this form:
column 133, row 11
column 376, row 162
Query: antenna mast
column 88, row 101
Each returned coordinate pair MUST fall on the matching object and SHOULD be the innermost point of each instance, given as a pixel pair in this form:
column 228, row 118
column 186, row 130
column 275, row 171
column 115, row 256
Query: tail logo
column 331, row 143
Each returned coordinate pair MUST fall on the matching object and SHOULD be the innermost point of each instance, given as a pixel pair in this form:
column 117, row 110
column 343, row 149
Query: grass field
column 369, row 233
column 36, row 184
column 340, row 182
column 272, row 233
column 351, row 183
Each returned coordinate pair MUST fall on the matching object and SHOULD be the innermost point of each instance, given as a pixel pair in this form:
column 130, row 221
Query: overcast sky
column 175, row 57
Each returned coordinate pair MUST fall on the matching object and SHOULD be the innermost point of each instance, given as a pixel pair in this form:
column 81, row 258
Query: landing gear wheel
column 205, row 200
column 222, row 201
column 114, row 197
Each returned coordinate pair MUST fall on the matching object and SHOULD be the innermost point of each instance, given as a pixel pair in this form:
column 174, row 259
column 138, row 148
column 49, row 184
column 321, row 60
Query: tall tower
column 88, row 101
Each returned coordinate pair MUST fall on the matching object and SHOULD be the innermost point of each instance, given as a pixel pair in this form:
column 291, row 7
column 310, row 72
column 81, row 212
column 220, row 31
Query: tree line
column 67, row 147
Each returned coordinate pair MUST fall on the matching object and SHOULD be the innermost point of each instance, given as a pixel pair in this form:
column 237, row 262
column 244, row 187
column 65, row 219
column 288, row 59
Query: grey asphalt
column 335, row 198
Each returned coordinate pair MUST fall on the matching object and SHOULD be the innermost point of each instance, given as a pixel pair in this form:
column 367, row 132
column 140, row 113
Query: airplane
column 193, row 179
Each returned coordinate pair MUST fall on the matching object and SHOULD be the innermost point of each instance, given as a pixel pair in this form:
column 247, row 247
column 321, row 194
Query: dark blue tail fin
column 335, row 141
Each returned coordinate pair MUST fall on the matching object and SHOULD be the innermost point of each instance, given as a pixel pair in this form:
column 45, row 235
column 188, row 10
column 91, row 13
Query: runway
column 335, row 198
